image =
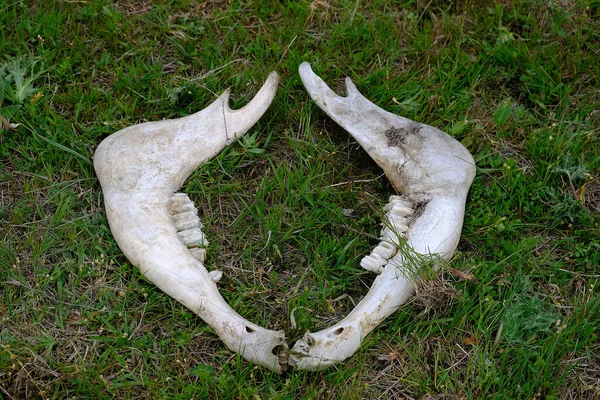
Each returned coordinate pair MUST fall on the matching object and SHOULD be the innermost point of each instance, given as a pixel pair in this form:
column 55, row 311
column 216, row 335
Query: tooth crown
column 396, row 223
column 189, row 227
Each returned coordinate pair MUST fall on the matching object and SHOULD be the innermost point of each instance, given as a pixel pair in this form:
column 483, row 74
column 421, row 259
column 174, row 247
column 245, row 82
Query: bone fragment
column 216, row 275
column 199, row 253
column 140, row 168
column 425, row 165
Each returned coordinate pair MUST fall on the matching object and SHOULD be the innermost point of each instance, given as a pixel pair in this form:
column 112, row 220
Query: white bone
column 396, row 224
column 198, row 253
column 216, row 275
column 371, row 264
column 193, row 238
column 139, row 168
column 385, row 250
column 429, row 168
column 399, row 210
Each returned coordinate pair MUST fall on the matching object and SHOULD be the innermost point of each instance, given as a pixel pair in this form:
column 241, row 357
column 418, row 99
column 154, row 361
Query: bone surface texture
column 432, row 172
column 140, row 168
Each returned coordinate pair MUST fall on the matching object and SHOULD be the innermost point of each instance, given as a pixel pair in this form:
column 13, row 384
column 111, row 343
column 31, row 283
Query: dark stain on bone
column 419, row 208
column 397, row 135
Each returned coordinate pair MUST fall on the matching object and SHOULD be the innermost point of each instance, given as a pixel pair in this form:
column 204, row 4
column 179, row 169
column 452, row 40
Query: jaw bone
column 433, row 172
column 140, row 168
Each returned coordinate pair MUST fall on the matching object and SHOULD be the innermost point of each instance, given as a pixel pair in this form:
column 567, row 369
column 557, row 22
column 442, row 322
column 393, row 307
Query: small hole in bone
column 338, row 331
column 249, row 330
column 278, row 349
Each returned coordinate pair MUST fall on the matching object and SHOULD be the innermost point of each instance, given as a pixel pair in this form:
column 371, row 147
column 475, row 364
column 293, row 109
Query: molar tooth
column 198, row 253
column 183, row 208
column 402, row 200
column 179, row 198
column 187, row 215
column 193, row 238
column 390, row 236
column 385, row 250
column 401, row 210
column 379, row 257
column 216, row 275
column 398, row 226
column 180, row 203
column 186, row 224
column 373, row 263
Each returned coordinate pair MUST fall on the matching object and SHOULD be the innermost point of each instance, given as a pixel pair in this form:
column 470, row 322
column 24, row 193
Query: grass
column 290, row 211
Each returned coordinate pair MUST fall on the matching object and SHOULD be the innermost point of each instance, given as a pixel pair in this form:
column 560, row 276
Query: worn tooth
column 186, row 224
column 390, row 236
column 373, row 263
column 187, row 215
column 181, row 203
column 401, row 210
column 216, row 275
column 399, row 206
column 393, row 228
column 179, row 198
column 183, row 208
column 398, row 226
column 199, row 253
column 193, row 238
column 385, row 250
column 395, row 199
column 379, row 257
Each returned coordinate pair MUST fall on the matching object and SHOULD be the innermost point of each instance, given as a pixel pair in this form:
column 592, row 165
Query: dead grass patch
column 435, row 296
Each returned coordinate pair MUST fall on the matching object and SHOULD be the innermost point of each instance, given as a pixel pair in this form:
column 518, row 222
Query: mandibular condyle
column 141, row 168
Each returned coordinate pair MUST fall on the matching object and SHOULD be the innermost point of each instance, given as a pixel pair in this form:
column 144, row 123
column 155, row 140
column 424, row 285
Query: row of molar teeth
column 189, row 228
column 397, row 219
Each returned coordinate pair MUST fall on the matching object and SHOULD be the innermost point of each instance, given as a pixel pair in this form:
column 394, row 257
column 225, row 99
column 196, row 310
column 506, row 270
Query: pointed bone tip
column 216, row 275
column 269, row 88
column 241, row 120
column 314, row 84
column 317, row 89
column 307, row 75
column 271, row 83
column 305, row 67
column 273, row 78
column 225, row 97
column 351, row 89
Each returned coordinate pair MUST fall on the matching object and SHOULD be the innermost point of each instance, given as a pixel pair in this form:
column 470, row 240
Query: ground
column 292, row 208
